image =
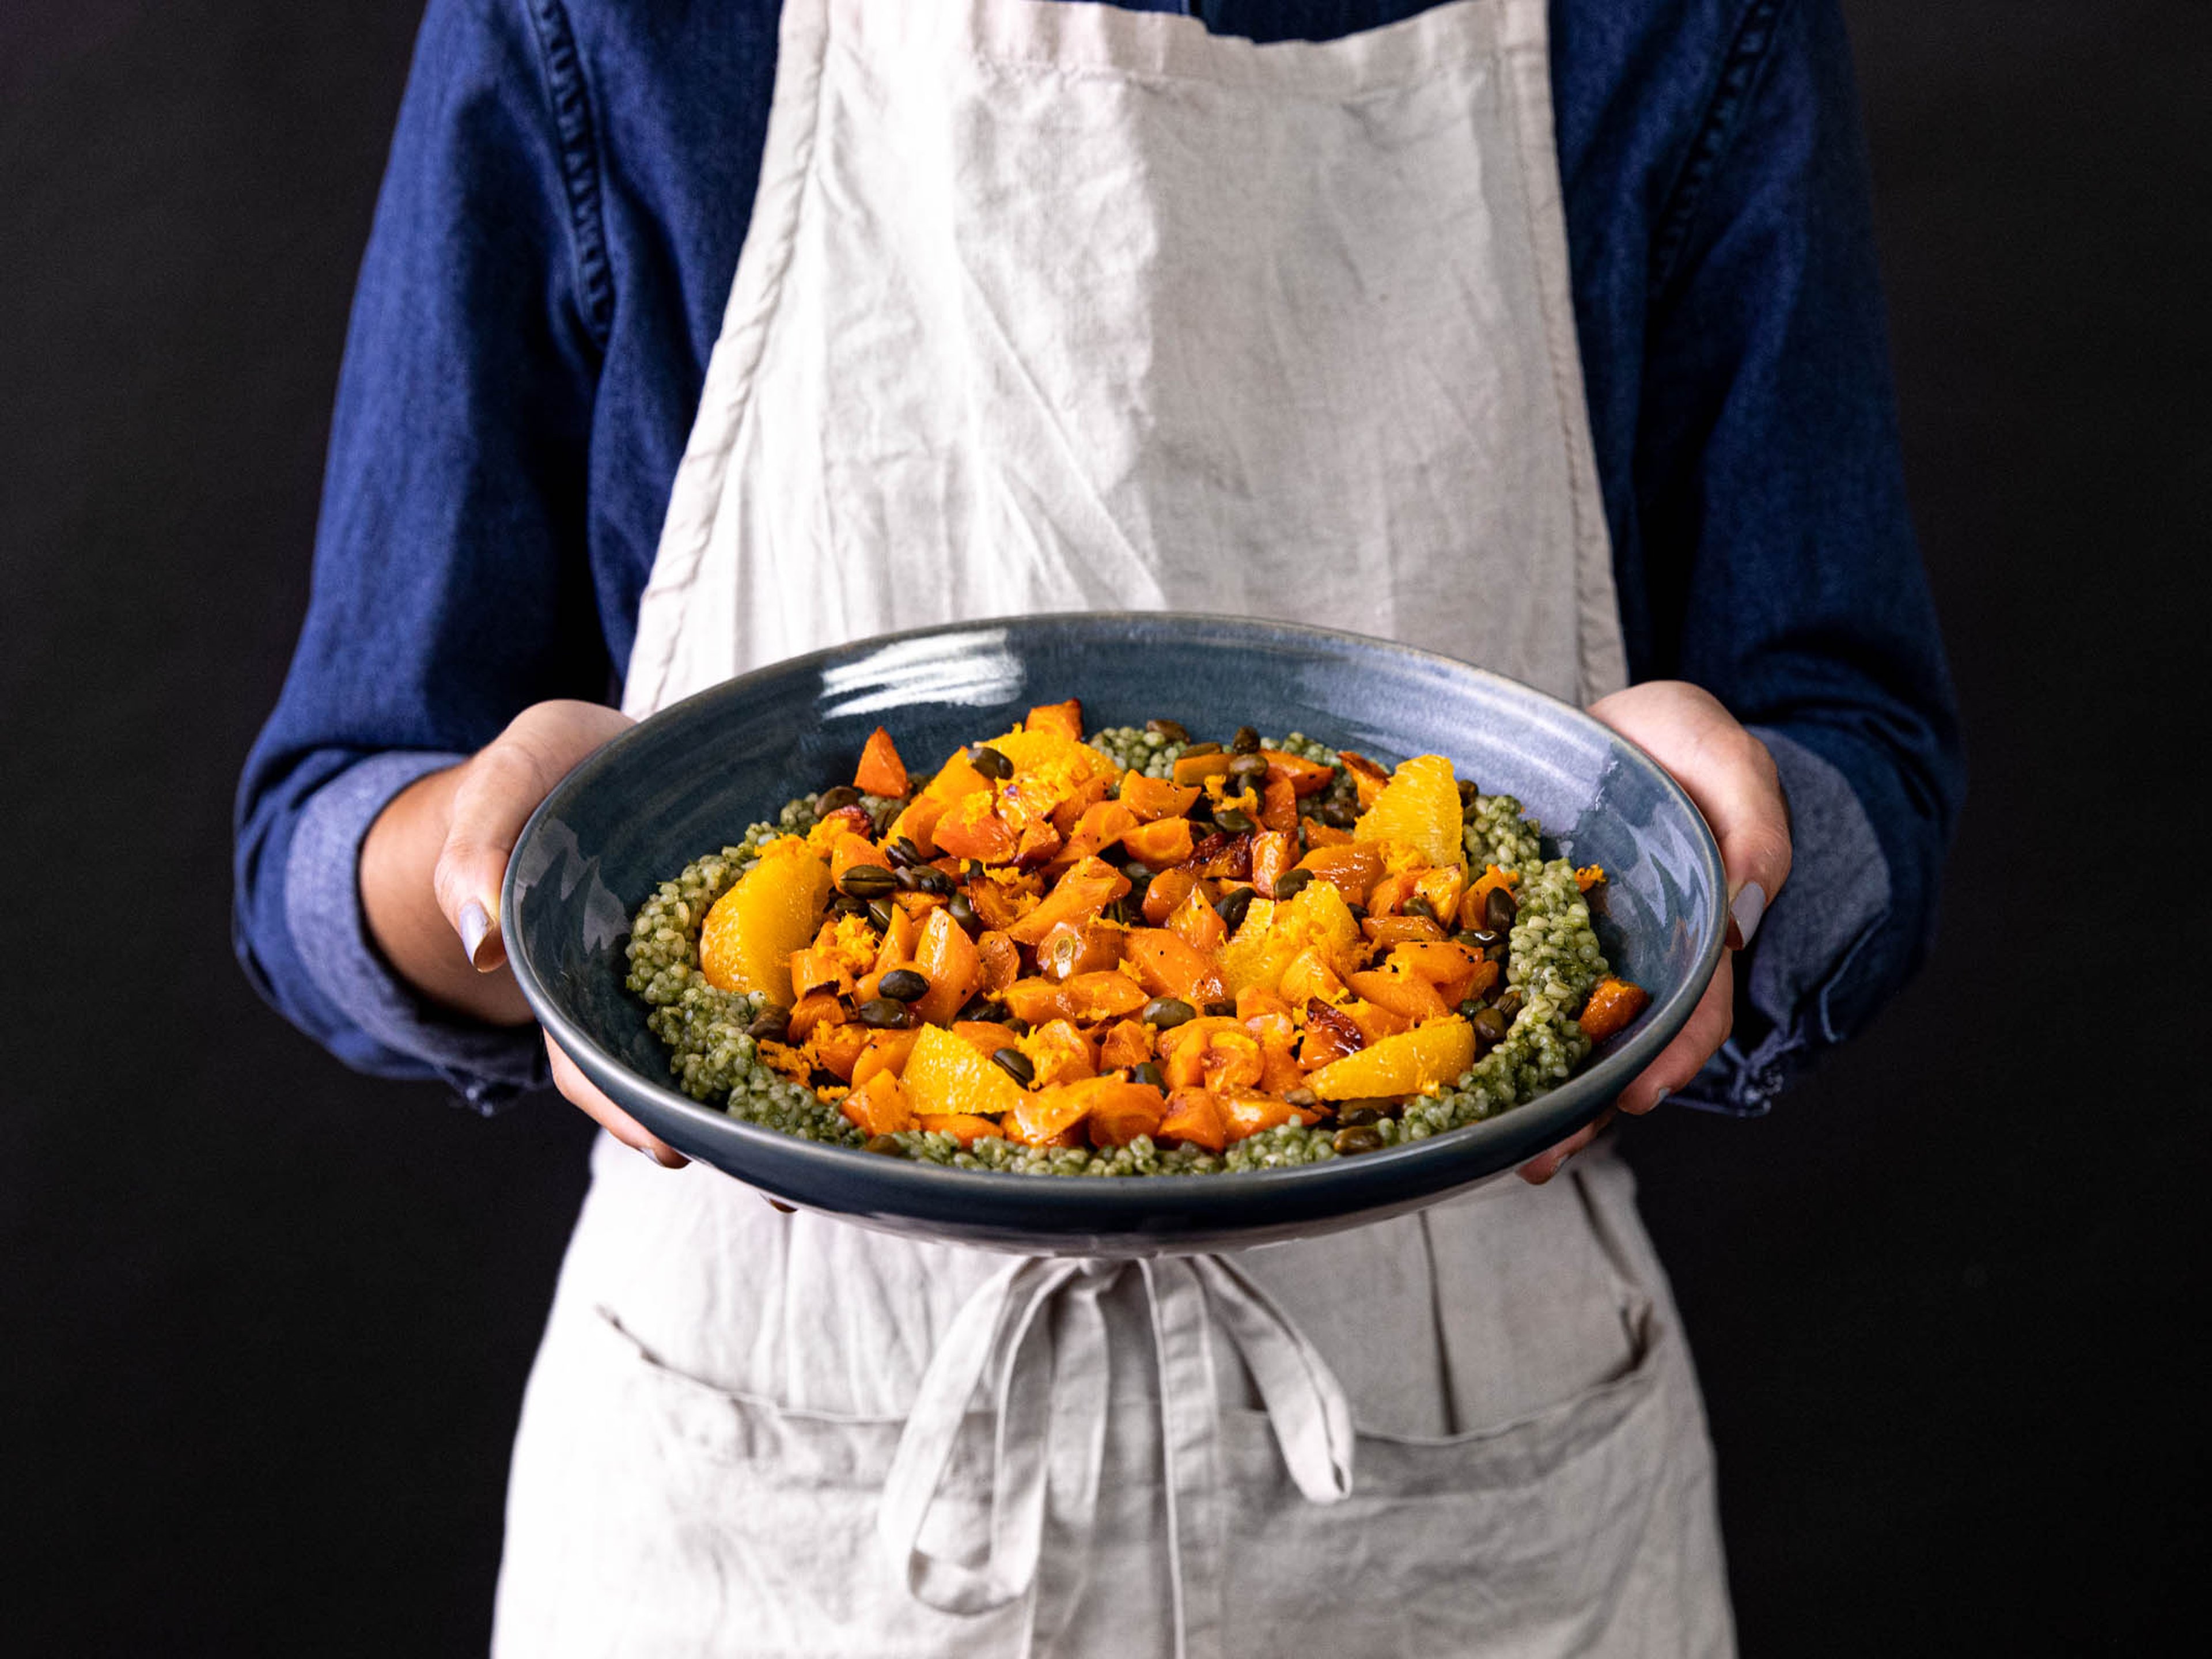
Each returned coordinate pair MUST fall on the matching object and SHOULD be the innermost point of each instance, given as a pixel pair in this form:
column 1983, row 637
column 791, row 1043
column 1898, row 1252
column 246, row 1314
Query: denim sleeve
column 450, row 585
column 1782, row 570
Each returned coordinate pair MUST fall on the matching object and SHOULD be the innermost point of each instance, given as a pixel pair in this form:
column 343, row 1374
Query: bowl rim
column 1096, row 1203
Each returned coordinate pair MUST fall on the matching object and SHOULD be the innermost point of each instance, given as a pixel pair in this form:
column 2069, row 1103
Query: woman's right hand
column 431, row 867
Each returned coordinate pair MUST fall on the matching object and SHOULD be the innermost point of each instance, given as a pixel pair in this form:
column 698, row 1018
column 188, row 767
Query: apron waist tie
column 1047, row 1381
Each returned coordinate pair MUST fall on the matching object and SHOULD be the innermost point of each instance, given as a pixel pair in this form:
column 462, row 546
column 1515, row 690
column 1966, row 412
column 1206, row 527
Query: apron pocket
column 1523, row 1533
column 672, row 1517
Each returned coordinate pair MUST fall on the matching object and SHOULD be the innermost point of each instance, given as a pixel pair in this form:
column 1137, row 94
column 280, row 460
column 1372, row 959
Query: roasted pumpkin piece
column 884, row 1051
column 1330, row 1035
column 1401, row 992
column 1099, row 828
column 972, row 829
column 1405, row 1064
column 1197, row 769
column 852, row 820
column 1454, row 970
column 1002, row 897
column 1121, row 1111
column 1305, row 777
column 1064, row 718
column 1125, row 1043
column 808, row 1012
column 1079, row 896
column 957, row 779
column 1163, row 842
column 881, row 772
column 1001, row 958
column 1613, row 1005
column 962, row 1126
column 1279, row 805
column 1058, row 1053
column 1308, row 974
column 945, row 1075
column 1216, row 1054
column 1089, row 998
column 1388, row 896
column 878, row 1106
column 848, row 852
column 917, row 822
column 1368, row 778
column 1167, row 966
column 1040, row 843
column 818, row 968
column 1385, row 931
column 1324, row 835
column 1194, row 1116
column 1197, row 923
column 1246, row 1115
column 1353, row 870
column 988, row 1035
column 1473, row 905
column 1077, row 798
column 746, row 941
column 1375, row 1021
column 948, row 959
column 1078, row 947
column 896, row 949
column 1048, row 1117
column 1441, row 887
column 837, row 1049
column 1273, row 853
column 1166, row 894
column 1280, row 1071
column 1152, row 799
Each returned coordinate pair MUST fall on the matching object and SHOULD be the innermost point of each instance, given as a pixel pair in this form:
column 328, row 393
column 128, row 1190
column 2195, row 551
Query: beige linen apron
column 1050, row 306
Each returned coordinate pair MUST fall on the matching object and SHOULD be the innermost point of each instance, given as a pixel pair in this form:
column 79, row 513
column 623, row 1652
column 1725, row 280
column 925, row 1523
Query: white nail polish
column 476, row 922
column 1749, row 905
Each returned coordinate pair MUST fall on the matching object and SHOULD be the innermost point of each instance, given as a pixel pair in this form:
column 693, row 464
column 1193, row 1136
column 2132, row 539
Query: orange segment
column 945, row 1075
column 1417, row 809
column 1402, row 1064
column 746, row 942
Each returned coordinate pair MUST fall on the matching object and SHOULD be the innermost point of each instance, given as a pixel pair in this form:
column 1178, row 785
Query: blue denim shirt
column 567, row 190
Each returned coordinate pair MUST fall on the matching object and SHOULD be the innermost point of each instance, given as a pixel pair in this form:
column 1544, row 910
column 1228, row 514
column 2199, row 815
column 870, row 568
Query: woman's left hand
column 1731, row 775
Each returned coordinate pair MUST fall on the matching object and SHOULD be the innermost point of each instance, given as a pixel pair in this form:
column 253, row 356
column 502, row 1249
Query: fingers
column 1546, row 1164
column 493, row 797
column 583, row 1092
column 1728, row 773
column 1698, row 1042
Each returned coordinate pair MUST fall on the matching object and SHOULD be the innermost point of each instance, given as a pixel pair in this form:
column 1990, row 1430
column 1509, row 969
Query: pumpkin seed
column 771, row 1024
column 989, row 762
column 1164, row 1013
column 1337, row 814
column 882, row 1014
column 1246, row 742
column 903, row 853
column 1202, row 748
column 868, row 881
column 884, row 1146
column 1172, row 730
column 1230, row 818
column 1231, row 906
column 964, row 913
column 1360, row 1138
column 836, row 800
column 1150, row 1074
column 903, row 985
column 1015, row 1064
column 880, row 912
column 1291, row 882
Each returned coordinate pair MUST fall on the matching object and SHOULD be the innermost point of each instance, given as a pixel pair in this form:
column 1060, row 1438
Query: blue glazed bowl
column 691, row 779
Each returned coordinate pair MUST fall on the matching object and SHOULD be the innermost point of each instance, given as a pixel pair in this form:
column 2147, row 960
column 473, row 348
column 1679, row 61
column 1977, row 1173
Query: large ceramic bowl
column 691, row 778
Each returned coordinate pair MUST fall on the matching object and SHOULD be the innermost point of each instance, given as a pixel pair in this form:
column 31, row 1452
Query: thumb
column 493, row 797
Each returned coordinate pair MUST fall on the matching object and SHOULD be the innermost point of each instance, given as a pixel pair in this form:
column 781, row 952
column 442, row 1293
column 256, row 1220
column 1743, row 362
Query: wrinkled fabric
column 1469, row 1430
column 568, row 187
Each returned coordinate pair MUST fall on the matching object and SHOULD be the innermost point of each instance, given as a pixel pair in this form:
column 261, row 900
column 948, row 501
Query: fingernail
column 653, row 1153
column 1658, row 1100
column 1744, row 912
column 476, row 922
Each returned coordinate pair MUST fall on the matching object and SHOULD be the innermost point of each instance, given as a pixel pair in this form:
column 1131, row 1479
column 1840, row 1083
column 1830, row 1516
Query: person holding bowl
column 1548, row 338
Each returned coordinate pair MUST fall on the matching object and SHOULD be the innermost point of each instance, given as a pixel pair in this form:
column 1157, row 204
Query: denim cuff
column 488, row 1065
column 1837, row 897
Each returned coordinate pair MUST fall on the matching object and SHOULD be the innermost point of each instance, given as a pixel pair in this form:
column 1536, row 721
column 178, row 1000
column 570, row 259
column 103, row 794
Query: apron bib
column 1057, row 306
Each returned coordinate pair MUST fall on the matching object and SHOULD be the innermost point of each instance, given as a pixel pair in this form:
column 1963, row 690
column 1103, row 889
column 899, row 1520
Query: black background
column 263, row 1324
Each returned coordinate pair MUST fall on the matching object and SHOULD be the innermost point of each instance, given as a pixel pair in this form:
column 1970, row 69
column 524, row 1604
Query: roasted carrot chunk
column 1402, row 993
column 1120, row 1112
column 1127, row 1043
column 1165, row 895
column 881, row 772
column 879, row 1106
column 1304, row 776
column 970, row 828
column 1613, row 1005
